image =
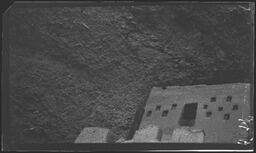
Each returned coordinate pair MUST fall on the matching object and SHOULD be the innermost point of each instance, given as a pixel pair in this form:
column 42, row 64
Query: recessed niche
column 208, row 114
column 229, row 98
column 163, row 87
column 188, row 115
column 226, row 116
column 235, row 107
column 174, row 106
column 205, row 106
column 213, row 99
column 165, row 113
column 220, row 108
column 149, row 113
column 158, row 107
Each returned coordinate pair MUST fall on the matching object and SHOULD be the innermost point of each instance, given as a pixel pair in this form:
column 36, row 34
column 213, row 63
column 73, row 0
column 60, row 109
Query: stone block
column 167, row 133
column 93, row 135
column 121, row 140
column 150, row 133
column 129, row 141
column 184, row 135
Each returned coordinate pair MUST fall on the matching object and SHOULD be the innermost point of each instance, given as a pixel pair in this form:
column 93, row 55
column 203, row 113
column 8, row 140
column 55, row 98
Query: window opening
column 226, row 117
column 213, row 99
column 165, row 113
column 188, row 115
column 149, row 113
column 158, row 107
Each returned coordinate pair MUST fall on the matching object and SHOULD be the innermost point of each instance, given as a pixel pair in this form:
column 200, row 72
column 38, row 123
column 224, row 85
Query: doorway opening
column 188, row 115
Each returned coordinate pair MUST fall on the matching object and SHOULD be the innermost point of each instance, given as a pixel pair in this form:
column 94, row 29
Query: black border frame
column 97, row 147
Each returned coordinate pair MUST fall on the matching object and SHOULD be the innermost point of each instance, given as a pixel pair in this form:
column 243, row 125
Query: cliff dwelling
column 214, row 109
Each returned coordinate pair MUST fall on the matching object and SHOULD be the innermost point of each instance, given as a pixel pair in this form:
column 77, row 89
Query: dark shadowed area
column 73, row 67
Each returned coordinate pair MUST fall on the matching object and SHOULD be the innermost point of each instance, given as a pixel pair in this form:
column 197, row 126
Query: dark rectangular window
column 163, row 87
column 235, row 107
column 213, row 99
column 208, row 114
column 205, row 106
column 174, row 106
column 229, row 98
column 220, row 108
column 165, row 113
column 149, row 113
column 188, row 115
column 226, row 117
column 158, row 107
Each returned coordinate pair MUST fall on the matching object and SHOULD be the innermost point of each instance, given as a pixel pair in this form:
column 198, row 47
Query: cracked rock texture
column 76, row 67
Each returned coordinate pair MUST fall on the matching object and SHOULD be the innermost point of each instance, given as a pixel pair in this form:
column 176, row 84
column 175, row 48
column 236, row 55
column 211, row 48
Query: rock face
column 76, row 67
column 93, row 135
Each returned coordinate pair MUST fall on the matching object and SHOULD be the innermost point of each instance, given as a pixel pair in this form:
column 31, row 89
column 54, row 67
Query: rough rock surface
column 75, row 67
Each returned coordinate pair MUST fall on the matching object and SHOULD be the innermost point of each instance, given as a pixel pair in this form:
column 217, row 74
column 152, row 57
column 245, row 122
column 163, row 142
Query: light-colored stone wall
column 185, row 135
column 215, row 127
column 149, row 134
column 93, row 135
column 153, row 133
